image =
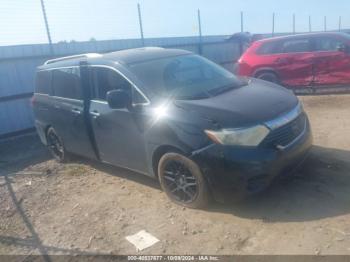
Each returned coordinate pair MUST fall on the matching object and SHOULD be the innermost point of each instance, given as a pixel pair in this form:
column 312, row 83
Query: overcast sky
column 22, row 21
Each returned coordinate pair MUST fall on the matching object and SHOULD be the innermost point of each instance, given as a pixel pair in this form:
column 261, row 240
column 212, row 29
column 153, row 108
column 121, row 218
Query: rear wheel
column 268, row 76
column 183, row 181
column 55, row 146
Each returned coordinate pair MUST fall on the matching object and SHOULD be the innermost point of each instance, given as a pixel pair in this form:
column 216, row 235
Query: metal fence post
column 46, row 25
column 273, row 24
column 293, row 23
column 242, row 28
column 310, row 29
column 140, row 22
column 325, row 23
column 200, row 48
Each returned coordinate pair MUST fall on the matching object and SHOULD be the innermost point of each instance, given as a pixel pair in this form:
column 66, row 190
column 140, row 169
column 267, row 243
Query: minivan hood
column 257, row 102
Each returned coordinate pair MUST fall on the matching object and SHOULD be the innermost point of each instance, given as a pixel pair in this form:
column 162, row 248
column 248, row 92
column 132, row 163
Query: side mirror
column 118, row 99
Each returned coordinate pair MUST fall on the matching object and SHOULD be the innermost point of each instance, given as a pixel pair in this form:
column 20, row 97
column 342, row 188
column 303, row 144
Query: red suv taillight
column 243, row 68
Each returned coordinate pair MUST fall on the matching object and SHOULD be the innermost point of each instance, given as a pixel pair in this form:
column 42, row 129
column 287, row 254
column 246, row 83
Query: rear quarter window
column 268, row 48
column 66, row 83
column 43, row 82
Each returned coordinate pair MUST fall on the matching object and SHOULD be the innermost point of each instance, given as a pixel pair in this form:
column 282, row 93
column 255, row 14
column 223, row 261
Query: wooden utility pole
column 46, row 25
column 140, row 22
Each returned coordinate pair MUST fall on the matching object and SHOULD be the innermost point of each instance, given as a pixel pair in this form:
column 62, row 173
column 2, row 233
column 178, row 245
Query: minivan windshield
column 184, row 77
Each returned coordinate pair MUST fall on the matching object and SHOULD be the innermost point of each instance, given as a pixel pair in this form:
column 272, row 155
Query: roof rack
column 88, row 55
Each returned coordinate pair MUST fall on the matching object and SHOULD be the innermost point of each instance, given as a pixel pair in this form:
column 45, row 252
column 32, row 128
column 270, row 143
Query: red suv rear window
column 270, row 47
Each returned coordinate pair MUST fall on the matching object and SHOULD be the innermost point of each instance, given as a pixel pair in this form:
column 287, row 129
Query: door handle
column 95, row 114
column 76, row 111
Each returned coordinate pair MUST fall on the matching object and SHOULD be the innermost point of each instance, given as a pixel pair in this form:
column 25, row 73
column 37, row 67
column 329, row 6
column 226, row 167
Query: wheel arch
column 47, row 127
column 159, row 152
column 43, row 134
column 264, row 70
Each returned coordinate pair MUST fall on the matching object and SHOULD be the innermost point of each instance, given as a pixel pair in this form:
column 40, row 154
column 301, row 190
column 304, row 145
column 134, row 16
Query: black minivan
column 174, row 116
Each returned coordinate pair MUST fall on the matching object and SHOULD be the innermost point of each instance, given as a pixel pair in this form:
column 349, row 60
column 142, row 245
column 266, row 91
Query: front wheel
column 183, row 181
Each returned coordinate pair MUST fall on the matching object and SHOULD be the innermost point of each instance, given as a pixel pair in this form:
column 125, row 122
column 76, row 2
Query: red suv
column 307, row 60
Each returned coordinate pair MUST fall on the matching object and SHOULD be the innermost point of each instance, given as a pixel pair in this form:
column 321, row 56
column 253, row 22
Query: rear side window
column 66, row 83
column 296, row 46
column 43, row 82
column 273, row 47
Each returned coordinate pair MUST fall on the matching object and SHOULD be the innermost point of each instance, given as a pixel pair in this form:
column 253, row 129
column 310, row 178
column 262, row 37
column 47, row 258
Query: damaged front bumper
column 234, row 171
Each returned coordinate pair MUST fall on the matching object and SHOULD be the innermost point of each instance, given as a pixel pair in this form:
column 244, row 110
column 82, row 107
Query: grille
column 285, row 134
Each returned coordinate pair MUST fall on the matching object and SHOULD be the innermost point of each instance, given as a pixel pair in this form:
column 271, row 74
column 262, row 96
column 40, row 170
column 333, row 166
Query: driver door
column 119, row 133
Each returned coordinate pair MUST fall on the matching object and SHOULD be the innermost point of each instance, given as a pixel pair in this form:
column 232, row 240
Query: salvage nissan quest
column 172, row 115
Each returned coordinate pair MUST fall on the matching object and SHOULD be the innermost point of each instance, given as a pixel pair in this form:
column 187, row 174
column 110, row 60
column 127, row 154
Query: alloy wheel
column 180, row 182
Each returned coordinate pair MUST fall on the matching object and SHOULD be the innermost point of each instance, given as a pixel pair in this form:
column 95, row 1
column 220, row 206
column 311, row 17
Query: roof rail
column 152, row 47
column 88, row 55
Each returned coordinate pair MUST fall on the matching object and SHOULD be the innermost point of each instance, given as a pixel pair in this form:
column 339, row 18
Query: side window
column 66, row 83
column 137, row 98
column 296, row 46
column 43, row 82
column 105, row 80
column 273, row 47
column 327, row 44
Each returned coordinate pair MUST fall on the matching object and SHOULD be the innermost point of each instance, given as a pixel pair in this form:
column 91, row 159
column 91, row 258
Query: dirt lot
column 85, row 207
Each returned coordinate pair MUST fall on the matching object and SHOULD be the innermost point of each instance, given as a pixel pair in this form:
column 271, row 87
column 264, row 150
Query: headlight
column 251, row 136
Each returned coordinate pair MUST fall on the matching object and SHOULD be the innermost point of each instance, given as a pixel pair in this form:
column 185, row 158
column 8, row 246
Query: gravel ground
column 86, row 207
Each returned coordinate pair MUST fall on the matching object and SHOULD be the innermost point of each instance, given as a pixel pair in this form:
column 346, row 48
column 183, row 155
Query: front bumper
column 237, row 171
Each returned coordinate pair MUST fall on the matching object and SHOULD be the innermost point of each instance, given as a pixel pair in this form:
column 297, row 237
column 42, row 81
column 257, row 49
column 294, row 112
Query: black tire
column 55, row 145
column 268, row 76
column 183, row 181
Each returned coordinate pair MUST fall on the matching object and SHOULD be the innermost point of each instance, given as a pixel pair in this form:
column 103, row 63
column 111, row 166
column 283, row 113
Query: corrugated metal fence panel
column 15, row 115
column 17, row 76
column 221, row 52
column 63, row 48
column 18, row 65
